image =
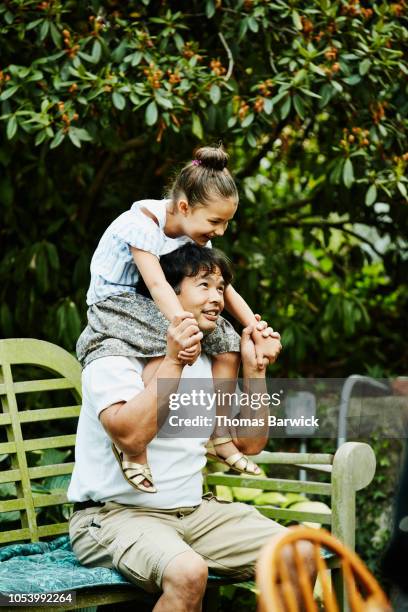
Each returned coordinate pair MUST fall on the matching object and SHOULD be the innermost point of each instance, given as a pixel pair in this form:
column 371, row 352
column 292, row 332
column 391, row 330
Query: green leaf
column 268, row 106
column 326, row 93
column 348, row 173
column 136, row 58
column 118, row 100
column 196, row 127
column 151, row 114
column 337, row 86
column 371, row 195
column 299, row 107
column 73, row 322
column 58, row 138
column 52, row 255
column 41, row 270
column 55, row 35
column 11, row 127
column 402, row 189
column 354, row 79
column 164, row 102
column 74, row 138
column 296, row 20
column 285, row 108
column 41, row 136
column 253, row 24
column 10, row 91
column 96, row 51
column 248, row 120
column 251, row 139
column 210, row 9
column 119, row 53
column 215, row 93
column 45, row 26
column 364, row 67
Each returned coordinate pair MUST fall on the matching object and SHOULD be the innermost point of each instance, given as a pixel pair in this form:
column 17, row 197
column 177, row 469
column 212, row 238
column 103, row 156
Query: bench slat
column 52, row 529
column 7, row 537
column 42, row 501
column 270, row 484
column 10, row 476
column 295, row 515
column 8, row 505
column 48, row 414
column 31, row 386
column 53, row 442
column 5, row 419
column 56, row 469
column 7, row 448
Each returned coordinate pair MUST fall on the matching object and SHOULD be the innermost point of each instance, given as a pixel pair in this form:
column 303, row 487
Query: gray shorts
column 131, row 325
column 141, row 542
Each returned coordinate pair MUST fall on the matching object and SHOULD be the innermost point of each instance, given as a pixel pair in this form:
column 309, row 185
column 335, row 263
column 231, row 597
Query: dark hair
column 205, row 177
column 190, row 260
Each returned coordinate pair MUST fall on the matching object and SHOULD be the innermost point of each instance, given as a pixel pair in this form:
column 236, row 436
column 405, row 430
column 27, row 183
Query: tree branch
column 229, row 55
column 96, row 185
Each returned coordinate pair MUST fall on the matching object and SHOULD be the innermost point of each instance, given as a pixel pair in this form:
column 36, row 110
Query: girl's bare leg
column 148, row 373
column 225, row 372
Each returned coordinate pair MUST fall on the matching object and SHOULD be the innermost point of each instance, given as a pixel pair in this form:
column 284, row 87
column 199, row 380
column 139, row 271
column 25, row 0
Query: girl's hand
column 183, row 334
column 189, row 355
column 268, row 348
column 266, row 331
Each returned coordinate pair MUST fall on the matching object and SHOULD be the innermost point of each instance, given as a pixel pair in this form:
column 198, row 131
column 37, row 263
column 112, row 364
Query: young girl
column 202, row 200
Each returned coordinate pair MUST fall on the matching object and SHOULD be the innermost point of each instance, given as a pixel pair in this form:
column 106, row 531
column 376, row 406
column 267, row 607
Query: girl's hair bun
column 212, row 157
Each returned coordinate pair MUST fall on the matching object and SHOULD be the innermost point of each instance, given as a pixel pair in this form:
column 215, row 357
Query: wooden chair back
column 278, row 593
column 39, row 383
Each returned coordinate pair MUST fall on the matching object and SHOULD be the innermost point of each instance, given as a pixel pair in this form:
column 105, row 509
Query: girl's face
column 202, row 223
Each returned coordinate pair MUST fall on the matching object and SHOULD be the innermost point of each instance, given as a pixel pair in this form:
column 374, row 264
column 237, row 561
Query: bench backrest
column 39, row 383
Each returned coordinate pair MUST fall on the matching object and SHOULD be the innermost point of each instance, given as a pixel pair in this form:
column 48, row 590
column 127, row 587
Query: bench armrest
column 353, row 469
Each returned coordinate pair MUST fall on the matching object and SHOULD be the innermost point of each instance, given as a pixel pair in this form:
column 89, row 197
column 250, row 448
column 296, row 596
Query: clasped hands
column 266, row 341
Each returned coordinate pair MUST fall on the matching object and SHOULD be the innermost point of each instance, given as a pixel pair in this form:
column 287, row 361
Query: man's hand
column 183, row 333
column 267, row 343
column 250, row 361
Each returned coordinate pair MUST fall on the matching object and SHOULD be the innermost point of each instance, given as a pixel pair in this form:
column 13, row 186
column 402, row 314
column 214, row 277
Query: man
column 168, row 540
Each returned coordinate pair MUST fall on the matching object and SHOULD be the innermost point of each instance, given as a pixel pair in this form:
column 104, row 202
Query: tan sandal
column 135, row 473
column 232, row 460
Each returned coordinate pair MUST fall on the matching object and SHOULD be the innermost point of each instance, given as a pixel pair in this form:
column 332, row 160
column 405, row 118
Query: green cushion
column 48, row 567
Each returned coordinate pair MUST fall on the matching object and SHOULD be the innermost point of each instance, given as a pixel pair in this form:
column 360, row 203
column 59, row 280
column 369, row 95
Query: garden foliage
column 101, row 101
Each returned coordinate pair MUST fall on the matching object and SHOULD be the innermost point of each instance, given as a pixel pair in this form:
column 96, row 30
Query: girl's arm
column 162, row 293
column 238, row 308
column 266, row 343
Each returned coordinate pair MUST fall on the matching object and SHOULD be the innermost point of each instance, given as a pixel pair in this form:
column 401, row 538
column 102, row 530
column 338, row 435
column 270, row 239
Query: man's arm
column 252, row 440
column 133, row 424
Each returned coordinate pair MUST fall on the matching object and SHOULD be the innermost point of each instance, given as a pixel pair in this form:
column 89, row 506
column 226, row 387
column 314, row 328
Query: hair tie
column 196, row 162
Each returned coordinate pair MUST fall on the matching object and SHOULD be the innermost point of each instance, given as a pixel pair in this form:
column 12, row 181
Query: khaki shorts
column 140, row 542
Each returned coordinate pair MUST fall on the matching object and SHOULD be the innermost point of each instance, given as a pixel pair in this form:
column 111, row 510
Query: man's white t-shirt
column 176, row 463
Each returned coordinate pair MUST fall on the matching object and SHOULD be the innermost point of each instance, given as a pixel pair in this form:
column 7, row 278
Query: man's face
column 203, row 296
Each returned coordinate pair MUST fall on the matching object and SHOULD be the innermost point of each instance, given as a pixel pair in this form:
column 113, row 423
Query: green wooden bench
column 35, row 374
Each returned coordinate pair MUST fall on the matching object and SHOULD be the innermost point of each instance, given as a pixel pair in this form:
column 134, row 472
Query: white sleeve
column 110, row 380
column 139, row 231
